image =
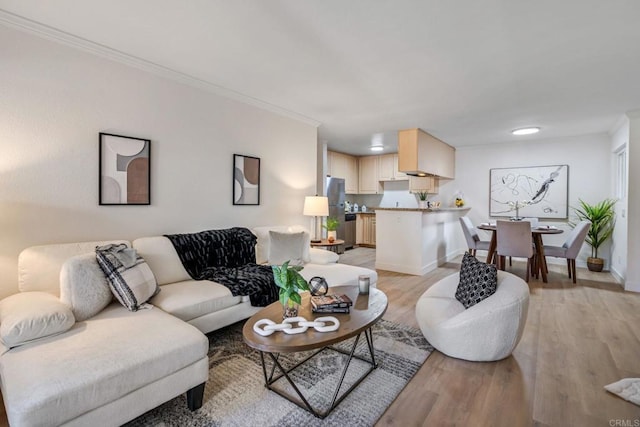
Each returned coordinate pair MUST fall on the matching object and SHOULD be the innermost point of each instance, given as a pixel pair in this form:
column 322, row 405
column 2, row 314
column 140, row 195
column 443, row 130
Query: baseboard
column 632, row 286
column 617, row 276
column 402, row 268
column 424, row 269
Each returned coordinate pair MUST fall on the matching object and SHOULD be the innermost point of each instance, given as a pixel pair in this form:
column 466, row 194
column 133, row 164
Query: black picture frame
column 124, row 170
column 246, row 180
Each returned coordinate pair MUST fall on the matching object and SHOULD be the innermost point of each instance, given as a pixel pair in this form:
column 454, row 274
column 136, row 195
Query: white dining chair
column 514, row 239
column 571, row 247
column 471, row 235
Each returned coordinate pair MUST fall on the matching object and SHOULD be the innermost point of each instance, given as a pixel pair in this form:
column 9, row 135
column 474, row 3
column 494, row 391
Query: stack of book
column 331, row 303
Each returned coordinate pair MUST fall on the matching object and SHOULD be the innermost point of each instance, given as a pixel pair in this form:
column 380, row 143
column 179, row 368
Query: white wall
column 632, row 280
column 588, row 158
column 54, row 100
column 397, row 192
column 619, row 139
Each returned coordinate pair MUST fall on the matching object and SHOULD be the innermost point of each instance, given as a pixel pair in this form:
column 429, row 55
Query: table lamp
column 316, row 206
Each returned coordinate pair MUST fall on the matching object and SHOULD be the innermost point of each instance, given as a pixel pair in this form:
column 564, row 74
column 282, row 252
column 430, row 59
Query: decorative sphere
column 318, row 286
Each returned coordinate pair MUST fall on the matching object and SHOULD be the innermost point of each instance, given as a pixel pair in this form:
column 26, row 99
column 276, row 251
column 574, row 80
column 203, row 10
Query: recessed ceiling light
column 377, row 148
column 525, row 131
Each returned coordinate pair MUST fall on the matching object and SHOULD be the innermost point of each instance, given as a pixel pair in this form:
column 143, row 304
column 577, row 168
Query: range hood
column 422, row 154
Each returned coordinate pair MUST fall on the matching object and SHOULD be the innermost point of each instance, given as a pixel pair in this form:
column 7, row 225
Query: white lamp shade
column 316, row 206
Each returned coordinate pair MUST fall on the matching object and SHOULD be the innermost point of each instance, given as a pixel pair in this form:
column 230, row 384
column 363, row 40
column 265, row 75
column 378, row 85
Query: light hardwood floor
column 577, row 339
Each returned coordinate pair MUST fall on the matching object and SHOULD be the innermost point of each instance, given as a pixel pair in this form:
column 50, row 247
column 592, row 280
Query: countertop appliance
column 335, row 196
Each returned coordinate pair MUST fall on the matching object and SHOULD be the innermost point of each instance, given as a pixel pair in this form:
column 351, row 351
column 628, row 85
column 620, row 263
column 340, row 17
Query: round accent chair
column 487, row 331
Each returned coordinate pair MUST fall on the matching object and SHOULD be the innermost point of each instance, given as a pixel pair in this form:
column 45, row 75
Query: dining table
column 536, row 233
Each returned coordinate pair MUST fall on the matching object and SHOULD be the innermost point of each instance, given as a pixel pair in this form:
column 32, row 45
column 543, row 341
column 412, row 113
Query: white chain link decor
column 319, row 324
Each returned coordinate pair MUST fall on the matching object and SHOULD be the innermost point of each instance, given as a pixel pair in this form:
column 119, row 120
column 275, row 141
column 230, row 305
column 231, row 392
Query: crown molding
column 633, row 114
column 71, row 40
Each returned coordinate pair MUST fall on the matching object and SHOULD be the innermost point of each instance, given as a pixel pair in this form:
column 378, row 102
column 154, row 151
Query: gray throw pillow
column 84, row 286
column 478, row 281
column 287, row 247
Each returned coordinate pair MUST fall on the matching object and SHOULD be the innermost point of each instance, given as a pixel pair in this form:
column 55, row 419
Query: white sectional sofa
column 116, row 365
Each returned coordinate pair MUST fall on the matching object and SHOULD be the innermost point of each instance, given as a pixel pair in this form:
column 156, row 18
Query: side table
column 331, row 246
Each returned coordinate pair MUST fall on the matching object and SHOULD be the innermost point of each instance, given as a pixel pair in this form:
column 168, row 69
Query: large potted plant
column 290, row 282
column 603, row 218
column 331, row 225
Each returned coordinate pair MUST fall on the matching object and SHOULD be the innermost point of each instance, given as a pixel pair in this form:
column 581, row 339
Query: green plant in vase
column 290, row 282
column 603, row 220
column 331, row 225
column 422, row 199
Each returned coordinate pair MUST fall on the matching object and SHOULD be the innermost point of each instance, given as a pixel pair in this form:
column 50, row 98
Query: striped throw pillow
column 131, row 280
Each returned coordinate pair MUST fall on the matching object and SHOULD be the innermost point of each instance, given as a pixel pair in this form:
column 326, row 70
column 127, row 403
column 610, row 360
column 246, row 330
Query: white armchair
column 487, row 331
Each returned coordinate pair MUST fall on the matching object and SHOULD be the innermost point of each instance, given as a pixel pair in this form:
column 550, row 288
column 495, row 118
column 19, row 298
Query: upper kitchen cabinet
column 344, row 166
column 421, row 154
column 369, row 182
column 388, row 168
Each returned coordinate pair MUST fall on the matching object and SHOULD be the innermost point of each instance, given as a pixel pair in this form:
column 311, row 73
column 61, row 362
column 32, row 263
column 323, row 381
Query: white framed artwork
column 532, row 191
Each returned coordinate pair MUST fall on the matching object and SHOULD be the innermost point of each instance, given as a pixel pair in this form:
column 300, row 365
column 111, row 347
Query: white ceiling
column 466, row 71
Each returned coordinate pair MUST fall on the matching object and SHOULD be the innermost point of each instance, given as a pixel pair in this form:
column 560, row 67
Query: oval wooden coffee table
column 365, row 312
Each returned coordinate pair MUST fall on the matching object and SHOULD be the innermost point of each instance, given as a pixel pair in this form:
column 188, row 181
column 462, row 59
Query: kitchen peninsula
column 415, row 241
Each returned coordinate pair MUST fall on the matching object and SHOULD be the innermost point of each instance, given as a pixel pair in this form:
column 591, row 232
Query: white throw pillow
column 286, row 247
column 29, row 316
column 84, row 286
column 264, row 241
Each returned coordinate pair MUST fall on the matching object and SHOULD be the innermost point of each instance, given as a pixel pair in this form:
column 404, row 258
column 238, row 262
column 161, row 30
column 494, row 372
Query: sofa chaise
column 115, row 365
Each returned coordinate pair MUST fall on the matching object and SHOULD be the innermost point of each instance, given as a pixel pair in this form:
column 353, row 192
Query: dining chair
column 534, row 221
column 571, row 247
column 514, row 239
column 471, row 234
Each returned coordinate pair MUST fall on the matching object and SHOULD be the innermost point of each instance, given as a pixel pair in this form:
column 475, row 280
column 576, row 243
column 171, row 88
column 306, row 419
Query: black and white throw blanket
column 227, row 257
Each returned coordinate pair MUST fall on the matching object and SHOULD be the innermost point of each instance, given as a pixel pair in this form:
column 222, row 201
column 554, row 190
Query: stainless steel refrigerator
column 335, row 194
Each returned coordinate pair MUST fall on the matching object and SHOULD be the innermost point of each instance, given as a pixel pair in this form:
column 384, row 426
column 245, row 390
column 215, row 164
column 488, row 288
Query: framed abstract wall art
column 246, row 180
column 536, row 191
column 124, row 170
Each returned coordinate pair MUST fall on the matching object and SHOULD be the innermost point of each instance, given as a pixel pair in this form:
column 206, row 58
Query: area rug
column 627, row 388
column 235, row 394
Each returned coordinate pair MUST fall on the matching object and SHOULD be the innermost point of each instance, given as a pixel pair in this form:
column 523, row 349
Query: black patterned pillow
column 477, row 281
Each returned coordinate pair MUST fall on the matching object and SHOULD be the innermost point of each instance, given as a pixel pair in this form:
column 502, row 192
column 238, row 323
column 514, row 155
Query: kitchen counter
column 416, row 241
column 425, row 210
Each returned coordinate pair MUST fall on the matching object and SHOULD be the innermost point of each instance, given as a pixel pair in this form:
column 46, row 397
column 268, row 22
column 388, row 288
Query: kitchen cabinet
column 423, row 154
column 340, row 165
column 388, row 168
column 366, row 229
column 368, row 182
column 430, row 184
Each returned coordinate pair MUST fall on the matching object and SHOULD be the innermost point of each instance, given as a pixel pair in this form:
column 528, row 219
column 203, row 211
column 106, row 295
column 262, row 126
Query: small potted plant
column 603, row 219
column 422, row 199
column 331, row 225
column 290, row 282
